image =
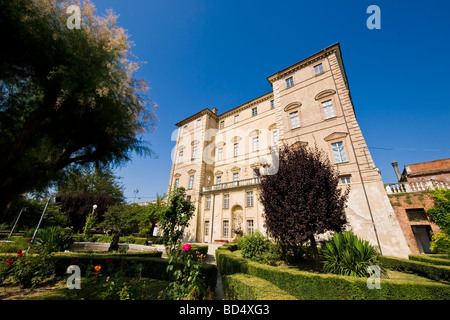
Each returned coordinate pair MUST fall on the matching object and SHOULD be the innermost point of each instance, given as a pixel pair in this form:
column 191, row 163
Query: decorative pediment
column 335, row 136
column 220, row 144
column 235, row 169
column 292, row 105
column 254, row 133
column 273, row 126
column 195, row 142
column 325, row 93
column 177, row 175
column 181, row 147
column 192, row 171
column 218, row 173
column 255, row 165
column 236, row 139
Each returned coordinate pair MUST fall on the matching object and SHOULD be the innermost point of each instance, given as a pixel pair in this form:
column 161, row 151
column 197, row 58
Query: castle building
column 216, row 155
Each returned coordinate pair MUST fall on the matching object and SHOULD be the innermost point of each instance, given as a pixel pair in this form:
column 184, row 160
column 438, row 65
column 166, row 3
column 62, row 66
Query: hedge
column 428, row 270
column 241, row 286
column 315, row 286
column 152, row 267
column 430, row 259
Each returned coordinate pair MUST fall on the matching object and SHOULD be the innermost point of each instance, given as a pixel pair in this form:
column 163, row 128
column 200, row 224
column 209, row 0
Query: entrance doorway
column 422, row 235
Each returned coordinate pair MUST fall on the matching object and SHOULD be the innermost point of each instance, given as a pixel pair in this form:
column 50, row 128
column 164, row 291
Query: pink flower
column 187, row 247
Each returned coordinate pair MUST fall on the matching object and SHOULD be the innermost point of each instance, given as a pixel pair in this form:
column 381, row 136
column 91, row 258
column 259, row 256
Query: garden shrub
column 435, row 272
column 314, row 286
column 348, row 255
column 55, row 238
column 254, row 246
column 440, row 243
column 430, row 259
column 241, row 286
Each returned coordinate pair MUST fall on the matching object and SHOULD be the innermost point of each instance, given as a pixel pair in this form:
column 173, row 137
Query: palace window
column 275, row 137
column 226, row 201
column 236, row 149
column 208, row 203
column 255, row 143
column 318, row 68
column 219, row 179
column 235, row 176
column 328, row 109
column 339, row 152
column 206, row 228
column 180, row 157
column 295, row 120
column 226, row 228
column 194, row 152
column 250, row 227
column 345, row 179
column 249, row 198
column 289, row 82
column 191, row 182
column 220, row 154
column 254, row 111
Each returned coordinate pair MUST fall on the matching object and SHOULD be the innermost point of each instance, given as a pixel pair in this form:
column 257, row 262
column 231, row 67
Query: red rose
column 29, row 239
column 19, row 251
column 9, row 263
column 20, row 254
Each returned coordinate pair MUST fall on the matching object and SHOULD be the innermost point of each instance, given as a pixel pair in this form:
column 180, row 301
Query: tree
column 302, row 199
column 440, row 212
column 67, row 96
column 152, row 212
column 119, row 220
column 175, row 218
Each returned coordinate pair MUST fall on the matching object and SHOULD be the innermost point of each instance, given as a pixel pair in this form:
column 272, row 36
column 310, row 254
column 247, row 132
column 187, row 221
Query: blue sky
column 204, row 54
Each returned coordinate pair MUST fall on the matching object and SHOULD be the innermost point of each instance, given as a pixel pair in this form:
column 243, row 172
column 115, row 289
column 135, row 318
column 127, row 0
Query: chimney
column 214, row 110
column 396, row 169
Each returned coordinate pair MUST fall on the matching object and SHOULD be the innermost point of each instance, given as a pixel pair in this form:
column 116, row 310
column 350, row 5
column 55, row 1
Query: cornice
column 305, row 62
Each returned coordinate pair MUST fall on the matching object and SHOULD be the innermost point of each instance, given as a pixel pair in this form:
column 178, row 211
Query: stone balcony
column 416, row 186
column 231, row 185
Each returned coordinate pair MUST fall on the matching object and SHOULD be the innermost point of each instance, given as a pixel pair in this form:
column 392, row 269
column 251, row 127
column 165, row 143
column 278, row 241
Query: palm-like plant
column 346, row 254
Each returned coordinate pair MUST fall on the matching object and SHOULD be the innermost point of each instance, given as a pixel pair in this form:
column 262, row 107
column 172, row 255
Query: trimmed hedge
column 152, row 267
column 430, row 259
column 241, row 286
column 315, row 286
column 428, row 270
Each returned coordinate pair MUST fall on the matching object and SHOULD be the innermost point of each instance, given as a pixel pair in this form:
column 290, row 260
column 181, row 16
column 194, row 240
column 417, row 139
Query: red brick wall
column 404, row 201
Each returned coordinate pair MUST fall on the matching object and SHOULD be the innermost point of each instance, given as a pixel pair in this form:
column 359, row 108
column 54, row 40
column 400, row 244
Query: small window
column 206, row 228
column 198, row 123
column 235, row 176
column 177, row 181
column 275, row 137
column 345, row 179
column 226, row 201
column 180, row 157
column 220, row 154
column 255, row 143
column 249, row 198
column 328, row 109
column 236, row 118
column 289, row 82
column 226, row 228
column 272, row 104
column 184, row 129
column 416, row 214
column 256, row 173
column 222, row 124
column 250, row 227
column 194, row 152
column 295, row 120
column 188, row 198
column 254, row 111
column 191, row 182
column 318, row 69
column 339, row 152
column 219, row 180
column 236, row 149
column 208, row 203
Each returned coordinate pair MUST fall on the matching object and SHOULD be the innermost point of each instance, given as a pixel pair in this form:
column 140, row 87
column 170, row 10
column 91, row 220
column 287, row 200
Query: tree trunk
column 315, row 251
column 114, row 246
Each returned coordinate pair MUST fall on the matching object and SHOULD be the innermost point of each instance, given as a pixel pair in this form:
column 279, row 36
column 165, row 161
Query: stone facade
column 216, row 154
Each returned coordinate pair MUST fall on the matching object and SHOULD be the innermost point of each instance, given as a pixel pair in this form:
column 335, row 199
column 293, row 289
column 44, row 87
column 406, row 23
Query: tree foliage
column 67, row 96
column 302, row 199
column 175, row 218
column 440, row 212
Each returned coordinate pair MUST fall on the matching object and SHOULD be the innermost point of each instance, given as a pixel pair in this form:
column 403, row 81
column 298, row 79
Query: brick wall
column 402, row 202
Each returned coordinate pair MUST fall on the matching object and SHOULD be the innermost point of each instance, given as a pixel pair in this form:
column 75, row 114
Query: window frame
column 191, row 182
column 236, row 149
column 341, row 148
column 254, row 111
column 226, row 227
column 249, row 202
column 297, row 116
column 289, row 82
column 226, row 201
column 319, row 66
column 328, row 106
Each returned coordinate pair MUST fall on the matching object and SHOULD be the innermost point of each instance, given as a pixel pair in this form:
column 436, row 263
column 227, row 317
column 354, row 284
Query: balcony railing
column 231, row 184
column 416, row 186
